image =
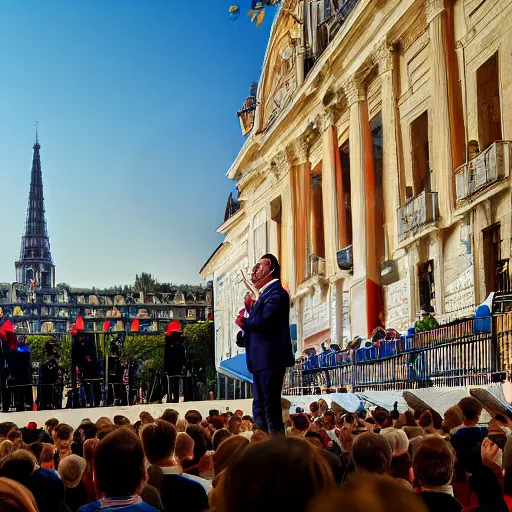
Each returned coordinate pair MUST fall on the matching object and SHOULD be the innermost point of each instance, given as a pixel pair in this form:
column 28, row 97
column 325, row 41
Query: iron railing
column 417, row 212
column 486, row 168
column 475, row 351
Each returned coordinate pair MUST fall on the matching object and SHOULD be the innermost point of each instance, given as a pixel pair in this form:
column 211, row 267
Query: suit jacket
column 266, row 337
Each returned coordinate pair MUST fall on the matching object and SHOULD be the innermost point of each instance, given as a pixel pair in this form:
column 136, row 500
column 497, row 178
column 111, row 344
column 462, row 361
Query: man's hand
column 240, row 319
column 249, row 302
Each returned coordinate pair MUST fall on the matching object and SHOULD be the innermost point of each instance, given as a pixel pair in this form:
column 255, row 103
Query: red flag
column 135, row 325
column 106, row 326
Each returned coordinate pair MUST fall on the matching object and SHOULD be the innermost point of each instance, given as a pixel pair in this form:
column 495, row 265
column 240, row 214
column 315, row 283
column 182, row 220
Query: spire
column 35, row 266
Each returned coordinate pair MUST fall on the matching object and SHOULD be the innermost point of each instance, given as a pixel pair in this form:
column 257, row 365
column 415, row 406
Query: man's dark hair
column 158, row 440
column 36, row 448
column 6, row 427
column 314, row 407
column 52, row 423
column 300, row 421
column 383, row 419
column 275, row 268
column 433, row 461
column 219, row 436
column 121, row 420
column 218, row 422
column 471, row 408
column 193, row 417
column 371, row 452
column 171, row 416
column 63, row 431
column 213, row 412
column 105, row 430
column 316, row 435
column 119, row 463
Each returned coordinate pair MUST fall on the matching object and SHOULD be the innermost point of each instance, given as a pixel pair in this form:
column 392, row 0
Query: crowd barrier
column 474, row 351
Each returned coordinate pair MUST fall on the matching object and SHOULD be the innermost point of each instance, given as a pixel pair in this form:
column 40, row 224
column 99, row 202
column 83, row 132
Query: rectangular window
column 496, row 268
column 426, row 285
column 489, row 111
column 260, row 234
column 420, row 155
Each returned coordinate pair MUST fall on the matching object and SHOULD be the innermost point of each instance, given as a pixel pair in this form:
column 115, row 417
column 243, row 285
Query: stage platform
column 438, row 398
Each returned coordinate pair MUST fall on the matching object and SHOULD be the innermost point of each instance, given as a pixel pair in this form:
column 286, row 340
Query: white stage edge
column 74, row 417
column 438, row 398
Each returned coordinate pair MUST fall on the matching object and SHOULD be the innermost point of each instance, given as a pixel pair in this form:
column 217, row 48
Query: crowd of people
column 329, row 460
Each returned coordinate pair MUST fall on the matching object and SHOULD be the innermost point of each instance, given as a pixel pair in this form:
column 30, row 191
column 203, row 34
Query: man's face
column 261, row 274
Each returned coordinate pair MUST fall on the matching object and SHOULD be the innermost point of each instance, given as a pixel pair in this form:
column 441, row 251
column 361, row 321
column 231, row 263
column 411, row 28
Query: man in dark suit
column 266, row 337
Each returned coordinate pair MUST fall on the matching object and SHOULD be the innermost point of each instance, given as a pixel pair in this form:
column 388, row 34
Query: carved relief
column 283, row 79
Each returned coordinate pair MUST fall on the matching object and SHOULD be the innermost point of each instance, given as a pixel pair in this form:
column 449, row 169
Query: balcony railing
column 417, row 212
column 486, row 168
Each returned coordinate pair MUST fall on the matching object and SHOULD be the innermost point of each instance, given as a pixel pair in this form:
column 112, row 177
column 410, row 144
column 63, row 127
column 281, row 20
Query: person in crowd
column 89, row 448
column 200, row 448
column 36, row 448
column 171, row 416
column 6, row 447
column 49, row 426
column 31, row 433
column 5, row 428
column 467, row 440
column 378, row 493
column 300, row 425
column 239, row 413
column 426, row 423
column 63, row 435
column 15, row 497
column 314, row 410
column 334, row 462
column 372, row 453
column 145, row 418
column 184, row 451
column 121, row 421
column 46, row 486
column 383, row 420
column 289, row 470
column 452, row 419
column 219, row 436
column 212, row 413
column 265, row 333
column 100, row 422
column 120, row 473
column 181, row 425
column 259, row 436
column 71, row 471
column 227, row 451
column 401, row 465
column 234, row 424
column 15, row 437
column 177, row 492
column 193, row 417
column 434, row 465
column 216, row 423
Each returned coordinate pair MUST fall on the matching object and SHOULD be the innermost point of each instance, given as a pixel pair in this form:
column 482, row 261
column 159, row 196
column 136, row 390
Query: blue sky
column 136, row 102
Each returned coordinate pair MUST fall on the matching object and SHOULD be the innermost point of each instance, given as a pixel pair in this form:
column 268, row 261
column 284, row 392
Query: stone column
column 300, row 175
column 330, row 147
column 390, row 124
column 442, row 163
column 365, row 293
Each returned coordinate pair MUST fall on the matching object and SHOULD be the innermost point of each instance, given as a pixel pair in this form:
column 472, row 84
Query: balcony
column 417, row 212
column 316, row 266
column 344, row 258
column 486, row 168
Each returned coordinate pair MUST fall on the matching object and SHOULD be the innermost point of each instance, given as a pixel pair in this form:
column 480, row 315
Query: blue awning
column 236, row 367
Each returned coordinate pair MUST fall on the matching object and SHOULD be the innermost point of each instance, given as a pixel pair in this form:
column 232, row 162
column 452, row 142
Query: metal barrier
column 476, row 351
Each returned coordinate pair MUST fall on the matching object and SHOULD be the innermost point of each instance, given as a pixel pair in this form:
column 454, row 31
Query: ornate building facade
column 377, row 167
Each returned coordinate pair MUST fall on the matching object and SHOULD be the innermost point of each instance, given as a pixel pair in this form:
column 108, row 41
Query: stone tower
column 35, row 267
